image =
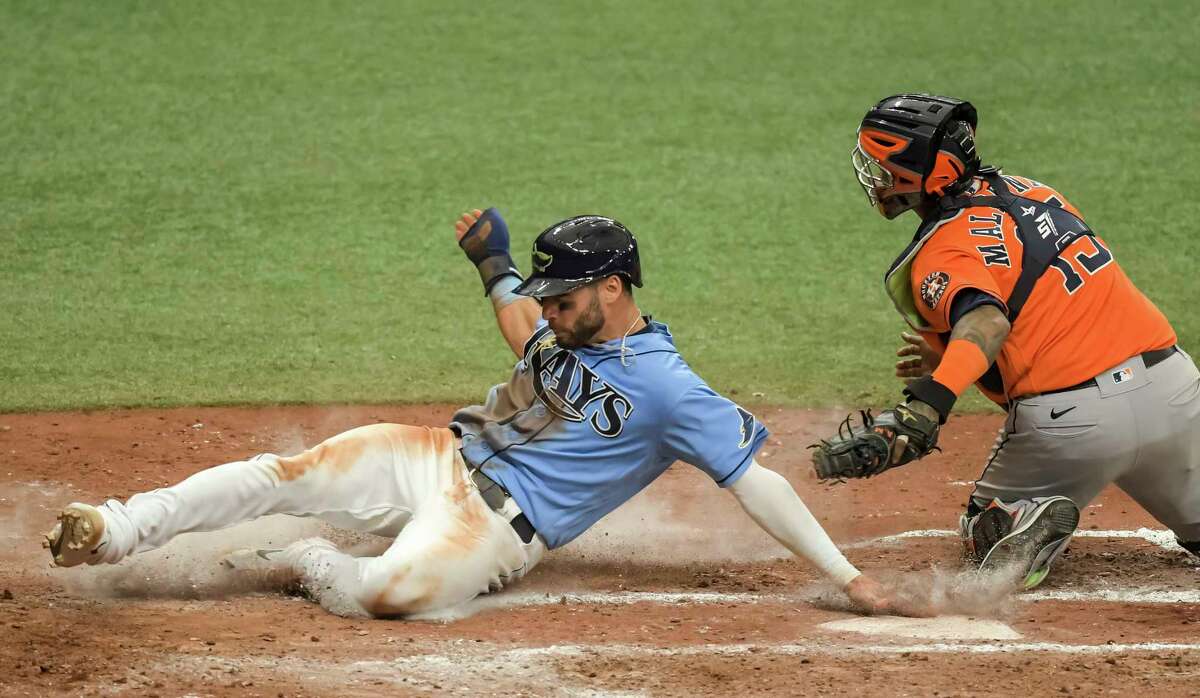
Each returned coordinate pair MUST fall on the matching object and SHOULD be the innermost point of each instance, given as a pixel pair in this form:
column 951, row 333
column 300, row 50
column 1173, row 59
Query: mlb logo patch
column 1123, row 375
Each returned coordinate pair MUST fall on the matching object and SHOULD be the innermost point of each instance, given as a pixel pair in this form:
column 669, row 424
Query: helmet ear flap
column 954, row 159
column 947, row 170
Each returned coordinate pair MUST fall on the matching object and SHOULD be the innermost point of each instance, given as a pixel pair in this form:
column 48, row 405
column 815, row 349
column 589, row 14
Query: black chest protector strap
column 1045, row 229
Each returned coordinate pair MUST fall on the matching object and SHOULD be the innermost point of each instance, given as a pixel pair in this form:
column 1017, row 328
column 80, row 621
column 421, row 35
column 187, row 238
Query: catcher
column 1008, row 288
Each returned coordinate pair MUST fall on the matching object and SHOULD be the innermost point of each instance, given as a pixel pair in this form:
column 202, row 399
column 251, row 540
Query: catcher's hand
column 894, row 437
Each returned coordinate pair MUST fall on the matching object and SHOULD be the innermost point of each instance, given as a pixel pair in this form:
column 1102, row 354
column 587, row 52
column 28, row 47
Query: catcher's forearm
column 516, row 315
column 986, row 327
column 774, row 505
column 975, row 342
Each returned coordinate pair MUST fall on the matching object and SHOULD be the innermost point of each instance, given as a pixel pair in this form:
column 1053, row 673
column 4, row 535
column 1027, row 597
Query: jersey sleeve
column 968, row 299
column 940, row 272
column 714, row 434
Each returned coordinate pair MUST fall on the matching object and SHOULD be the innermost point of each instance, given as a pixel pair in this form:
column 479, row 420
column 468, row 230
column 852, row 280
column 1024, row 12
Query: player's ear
column 611, row 288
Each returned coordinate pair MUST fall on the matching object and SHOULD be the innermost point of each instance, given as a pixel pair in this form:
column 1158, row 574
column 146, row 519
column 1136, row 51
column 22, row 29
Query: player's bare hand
column 872, row 598
column 917, row 358
column 464, row 223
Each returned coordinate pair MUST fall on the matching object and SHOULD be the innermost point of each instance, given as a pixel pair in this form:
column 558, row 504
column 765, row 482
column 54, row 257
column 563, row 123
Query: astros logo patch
column 933, row 287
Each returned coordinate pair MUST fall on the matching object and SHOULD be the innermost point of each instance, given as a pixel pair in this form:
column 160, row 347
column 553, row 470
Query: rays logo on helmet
column 747, row 427
column 541, row 260
column 933, row 287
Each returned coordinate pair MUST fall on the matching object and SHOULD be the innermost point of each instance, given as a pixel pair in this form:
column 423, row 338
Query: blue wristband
column 502, row 294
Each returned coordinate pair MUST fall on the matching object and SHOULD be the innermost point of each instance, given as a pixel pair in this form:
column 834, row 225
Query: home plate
column 940, row 628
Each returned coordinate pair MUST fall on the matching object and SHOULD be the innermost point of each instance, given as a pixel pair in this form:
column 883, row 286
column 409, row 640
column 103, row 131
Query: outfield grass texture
column 227, row 203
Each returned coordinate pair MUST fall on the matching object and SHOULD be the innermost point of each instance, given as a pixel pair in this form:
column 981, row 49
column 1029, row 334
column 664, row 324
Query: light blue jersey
column 576, row 433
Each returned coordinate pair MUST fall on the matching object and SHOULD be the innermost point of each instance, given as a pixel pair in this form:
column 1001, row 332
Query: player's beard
column 586, row 326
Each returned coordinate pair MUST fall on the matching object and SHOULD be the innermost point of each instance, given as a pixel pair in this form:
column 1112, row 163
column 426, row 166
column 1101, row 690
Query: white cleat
column 275, row 566
column 255, row 560
column 261, row 566
column 78, row 537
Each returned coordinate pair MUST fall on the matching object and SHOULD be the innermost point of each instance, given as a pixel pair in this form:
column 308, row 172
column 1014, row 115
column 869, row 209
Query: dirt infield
column 678, row 593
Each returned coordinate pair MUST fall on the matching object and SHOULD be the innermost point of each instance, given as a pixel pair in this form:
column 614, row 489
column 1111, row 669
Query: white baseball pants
column 387, row 479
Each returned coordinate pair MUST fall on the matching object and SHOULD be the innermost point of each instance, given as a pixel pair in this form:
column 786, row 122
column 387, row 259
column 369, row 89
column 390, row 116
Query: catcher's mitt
column 894, row 437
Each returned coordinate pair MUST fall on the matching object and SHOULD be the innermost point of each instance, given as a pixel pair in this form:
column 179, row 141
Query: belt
column 494, row 495
column 1150, row 358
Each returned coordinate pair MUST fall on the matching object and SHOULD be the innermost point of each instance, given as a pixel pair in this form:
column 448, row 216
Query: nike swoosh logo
column 1055, row 414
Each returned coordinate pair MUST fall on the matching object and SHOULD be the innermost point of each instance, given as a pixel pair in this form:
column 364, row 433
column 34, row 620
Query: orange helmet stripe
column 946, row 171
column 881, row 144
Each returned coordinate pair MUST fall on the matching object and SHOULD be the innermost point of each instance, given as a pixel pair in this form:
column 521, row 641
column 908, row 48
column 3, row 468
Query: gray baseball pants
column 1138, row 427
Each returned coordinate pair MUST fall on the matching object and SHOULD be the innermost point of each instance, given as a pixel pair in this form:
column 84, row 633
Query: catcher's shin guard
column 1021, row 538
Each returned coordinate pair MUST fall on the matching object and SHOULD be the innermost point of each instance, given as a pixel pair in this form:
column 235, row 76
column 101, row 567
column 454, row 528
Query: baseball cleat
column 1039, row 535
column 77, row 537
column 254, row 560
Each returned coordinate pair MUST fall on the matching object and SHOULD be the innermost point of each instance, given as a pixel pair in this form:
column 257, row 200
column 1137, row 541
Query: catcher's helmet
column 912, row 146
column 578, row 251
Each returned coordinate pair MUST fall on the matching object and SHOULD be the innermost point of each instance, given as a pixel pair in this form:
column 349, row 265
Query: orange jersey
column 1081, row 316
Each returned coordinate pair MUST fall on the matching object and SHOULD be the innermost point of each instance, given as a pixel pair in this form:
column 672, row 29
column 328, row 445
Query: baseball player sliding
column 1008, row 288
column 599, row 404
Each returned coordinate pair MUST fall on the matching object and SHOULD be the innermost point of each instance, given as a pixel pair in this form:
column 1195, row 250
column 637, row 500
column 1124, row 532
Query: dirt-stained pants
column 1139, row 428
column 386, row 479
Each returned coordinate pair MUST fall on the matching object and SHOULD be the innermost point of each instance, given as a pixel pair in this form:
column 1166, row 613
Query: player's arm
column 720, row 438
column 483, row 236
column 774, row 505
column 909, row 431
column 975, row 341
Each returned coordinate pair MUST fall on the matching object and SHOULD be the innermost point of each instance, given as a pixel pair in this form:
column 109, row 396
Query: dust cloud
column 935, row 592
column 676, row 526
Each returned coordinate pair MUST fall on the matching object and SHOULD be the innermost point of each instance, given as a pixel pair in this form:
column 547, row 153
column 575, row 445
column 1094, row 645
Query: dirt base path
column 677, row 593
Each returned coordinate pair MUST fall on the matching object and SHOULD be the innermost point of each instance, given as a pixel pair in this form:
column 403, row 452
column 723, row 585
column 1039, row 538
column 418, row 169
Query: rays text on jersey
column 569, row 389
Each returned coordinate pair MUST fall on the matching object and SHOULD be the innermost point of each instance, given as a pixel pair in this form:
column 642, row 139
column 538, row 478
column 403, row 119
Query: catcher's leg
column 1053, row 456
column 351, row 480
column 1165, row 480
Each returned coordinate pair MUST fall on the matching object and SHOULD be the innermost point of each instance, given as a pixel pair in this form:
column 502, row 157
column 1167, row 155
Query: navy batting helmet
column 578, row 251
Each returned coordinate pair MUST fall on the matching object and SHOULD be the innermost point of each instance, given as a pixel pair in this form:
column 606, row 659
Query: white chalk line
column 627, row 651
column 1163, row 539
column 458, row 666
column 451, row 667
column 625, row 598
column 1149, row 596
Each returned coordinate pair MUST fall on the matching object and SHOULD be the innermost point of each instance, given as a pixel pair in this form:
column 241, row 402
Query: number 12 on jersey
column 1073, row 280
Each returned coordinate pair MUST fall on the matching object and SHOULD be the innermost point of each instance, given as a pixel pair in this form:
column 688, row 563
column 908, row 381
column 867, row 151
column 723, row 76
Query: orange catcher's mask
column 914, row 146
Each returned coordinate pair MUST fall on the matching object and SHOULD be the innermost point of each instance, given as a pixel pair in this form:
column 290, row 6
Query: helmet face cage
column 891, row 187
column 872, row 176
column 912, row 146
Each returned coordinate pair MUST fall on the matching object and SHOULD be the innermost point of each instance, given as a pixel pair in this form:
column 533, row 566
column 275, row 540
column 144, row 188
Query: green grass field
column 229, row 202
